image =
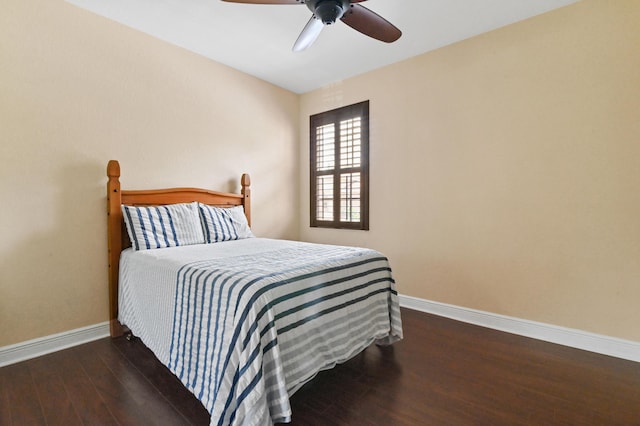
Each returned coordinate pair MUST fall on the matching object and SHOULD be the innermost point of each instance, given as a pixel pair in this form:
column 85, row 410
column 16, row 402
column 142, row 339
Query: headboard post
column 114, row 214
column 245, row 181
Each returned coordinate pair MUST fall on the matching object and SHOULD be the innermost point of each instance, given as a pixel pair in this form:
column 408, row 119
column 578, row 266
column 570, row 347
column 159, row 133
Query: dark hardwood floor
column 443, row 373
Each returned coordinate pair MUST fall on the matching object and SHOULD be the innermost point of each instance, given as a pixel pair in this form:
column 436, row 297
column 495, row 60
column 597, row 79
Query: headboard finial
column 113, row 169
column 246, row 180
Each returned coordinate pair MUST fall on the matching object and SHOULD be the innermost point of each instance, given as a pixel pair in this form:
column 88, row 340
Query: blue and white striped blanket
column 249, row 330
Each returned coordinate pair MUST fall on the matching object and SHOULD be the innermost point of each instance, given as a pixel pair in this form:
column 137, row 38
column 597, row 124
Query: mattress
column 245, row 323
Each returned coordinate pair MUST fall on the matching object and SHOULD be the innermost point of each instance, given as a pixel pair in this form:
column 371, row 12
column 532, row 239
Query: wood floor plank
column 168, row 385
column 120, row 403
column 23, row 399
column 55, row 402
column 56, row 405
column 84, row 396
column 138, row 387
column 5, row 404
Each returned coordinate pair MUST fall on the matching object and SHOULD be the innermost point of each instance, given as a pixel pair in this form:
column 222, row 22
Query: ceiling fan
column 327, row 12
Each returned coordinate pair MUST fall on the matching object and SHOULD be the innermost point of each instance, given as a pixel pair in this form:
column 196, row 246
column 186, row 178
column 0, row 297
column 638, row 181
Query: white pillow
column 153, row 227
column 223, row 223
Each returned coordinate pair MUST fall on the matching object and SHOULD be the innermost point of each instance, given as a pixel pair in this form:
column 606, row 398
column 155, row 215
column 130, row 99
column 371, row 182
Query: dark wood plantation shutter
column 340, row 167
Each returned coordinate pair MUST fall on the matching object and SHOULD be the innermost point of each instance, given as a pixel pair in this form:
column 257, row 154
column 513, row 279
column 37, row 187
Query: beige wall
column 77, row 90
column 505, row 169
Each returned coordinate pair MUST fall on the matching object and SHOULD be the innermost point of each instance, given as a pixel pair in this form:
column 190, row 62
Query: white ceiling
column 257, row 39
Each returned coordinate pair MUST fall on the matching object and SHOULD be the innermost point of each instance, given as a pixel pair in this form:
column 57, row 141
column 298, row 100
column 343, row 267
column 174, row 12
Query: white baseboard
column 55, row 342
column 612, row 346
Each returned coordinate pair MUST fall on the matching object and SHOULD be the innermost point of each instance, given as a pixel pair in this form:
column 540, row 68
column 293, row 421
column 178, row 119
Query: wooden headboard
column 118, row 239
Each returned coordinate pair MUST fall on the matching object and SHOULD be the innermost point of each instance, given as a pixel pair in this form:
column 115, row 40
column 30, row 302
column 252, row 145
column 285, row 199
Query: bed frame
column 117, row 233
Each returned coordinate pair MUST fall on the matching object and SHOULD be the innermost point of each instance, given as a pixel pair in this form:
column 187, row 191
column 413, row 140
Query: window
column 340, row 167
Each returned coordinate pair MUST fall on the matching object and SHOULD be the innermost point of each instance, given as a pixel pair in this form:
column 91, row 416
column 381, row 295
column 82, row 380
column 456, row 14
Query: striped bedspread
column 248, row 330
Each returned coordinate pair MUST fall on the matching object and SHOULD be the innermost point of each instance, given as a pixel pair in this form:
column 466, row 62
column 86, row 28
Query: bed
column 242, row 321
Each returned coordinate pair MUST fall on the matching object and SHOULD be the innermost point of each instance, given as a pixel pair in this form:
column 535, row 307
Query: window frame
column 335, row 116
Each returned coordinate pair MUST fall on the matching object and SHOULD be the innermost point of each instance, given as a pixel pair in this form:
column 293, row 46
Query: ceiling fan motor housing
column 328, row 11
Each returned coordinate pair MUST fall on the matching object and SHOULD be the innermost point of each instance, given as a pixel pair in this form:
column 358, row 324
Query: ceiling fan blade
column 266, row 1
column 308, row 35
column 371, row 24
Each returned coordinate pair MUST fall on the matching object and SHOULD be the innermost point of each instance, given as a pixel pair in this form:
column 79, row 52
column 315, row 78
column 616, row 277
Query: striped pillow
column 224, row 224
column 153, row 227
